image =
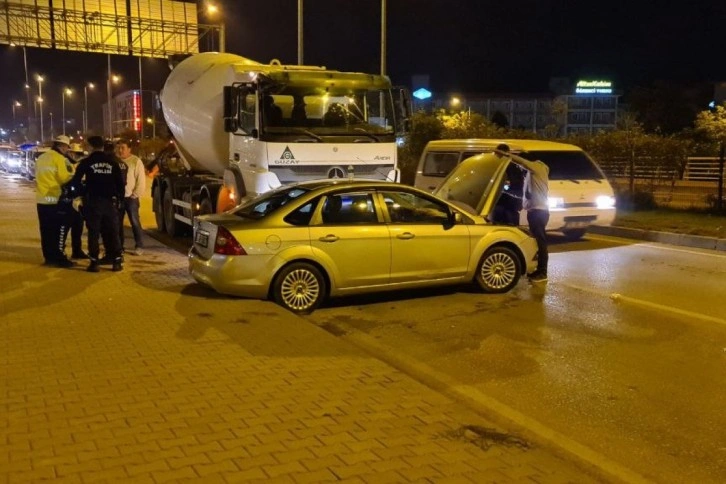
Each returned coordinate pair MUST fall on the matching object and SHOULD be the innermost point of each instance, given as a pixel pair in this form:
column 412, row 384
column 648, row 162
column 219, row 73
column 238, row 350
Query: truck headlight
column 556, row 203
column 604, row 201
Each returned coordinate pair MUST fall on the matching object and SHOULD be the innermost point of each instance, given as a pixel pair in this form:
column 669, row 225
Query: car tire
column 498, row 270
column 574, row 234
column 299, row 287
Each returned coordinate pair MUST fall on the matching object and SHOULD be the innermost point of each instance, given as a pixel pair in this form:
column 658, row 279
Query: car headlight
column 556, row 203
column 604, row 201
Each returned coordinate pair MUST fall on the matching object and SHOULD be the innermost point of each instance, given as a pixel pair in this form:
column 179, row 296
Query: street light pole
column 299, row 32
column 85, row 106
column 51, row 125
column 66, row 92
column 108, row 98
column 383, row 37
column 40, row 106
column 16, row 104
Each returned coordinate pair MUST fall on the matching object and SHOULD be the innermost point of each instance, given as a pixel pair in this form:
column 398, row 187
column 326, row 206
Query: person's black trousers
column 53, row 232
column 537, row 220
column 102, row 220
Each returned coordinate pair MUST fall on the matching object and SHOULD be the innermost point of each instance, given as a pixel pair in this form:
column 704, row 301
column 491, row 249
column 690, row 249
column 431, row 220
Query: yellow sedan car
column 302, row 243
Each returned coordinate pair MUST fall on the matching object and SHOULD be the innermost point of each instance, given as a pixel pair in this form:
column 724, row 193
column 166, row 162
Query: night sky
column 512, row 46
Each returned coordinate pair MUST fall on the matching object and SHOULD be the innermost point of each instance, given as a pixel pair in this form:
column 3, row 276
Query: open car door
column 475, row 184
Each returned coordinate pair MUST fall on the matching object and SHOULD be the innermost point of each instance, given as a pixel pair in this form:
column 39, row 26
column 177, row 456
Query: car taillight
column 226, row 244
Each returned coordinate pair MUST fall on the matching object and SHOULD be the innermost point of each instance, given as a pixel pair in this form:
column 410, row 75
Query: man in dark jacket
column 104, row 189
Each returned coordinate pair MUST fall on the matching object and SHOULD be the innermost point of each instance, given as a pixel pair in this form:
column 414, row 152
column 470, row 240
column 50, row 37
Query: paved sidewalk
column 144, row 376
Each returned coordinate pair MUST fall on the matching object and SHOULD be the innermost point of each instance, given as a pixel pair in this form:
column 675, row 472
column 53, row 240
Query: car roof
column 346, row 182
column 489, row 143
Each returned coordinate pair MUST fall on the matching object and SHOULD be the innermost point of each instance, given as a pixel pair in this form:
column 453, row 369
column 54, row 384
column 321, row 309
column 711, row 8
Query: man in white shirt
column 135, row 186
column 536, row 203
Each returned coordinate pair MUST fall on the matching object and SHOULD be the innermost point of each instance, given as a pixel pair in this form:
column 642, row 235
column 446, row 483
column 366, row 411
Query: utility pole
column 299, row 32
column 108, row 98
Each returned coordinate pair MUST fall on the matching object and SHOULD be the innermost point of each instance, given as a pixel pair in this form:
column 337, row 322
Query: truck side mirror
column 229, row 109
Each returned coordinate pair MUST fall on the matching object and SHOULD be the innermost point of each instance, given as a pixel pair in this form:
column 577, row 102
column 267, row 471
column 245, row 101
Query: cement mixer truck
column 241, row 128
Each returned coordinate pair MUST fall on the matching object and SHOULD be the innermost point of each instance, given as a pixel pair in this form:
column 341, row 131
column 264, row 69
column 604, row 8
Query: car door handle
column 406, row 236
column 329, row 238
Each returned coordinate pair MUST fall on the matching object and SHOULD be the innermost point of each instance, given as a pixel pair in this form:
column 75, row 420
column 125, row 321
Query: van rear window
column 567, row 165
column 439, row 163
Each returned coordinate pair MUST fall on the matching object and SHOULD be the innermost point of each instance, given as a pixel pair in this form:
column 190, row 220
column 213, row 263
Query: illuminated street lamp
column 88, row 86
column 66, row 92
column 16, row 104
column 212, row 10
column 153, row 127
column 40, row 80
column 455, row 101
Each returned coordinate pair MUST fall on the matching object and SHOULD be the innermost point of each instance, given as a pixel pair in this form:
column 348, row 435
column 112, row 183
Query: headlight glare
column 604, row 201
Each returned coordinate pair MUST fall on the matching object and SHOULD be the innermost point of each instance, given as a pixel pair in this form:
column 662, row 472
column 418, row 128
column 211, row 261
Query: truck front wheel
column 173, row 226
column 158, row 209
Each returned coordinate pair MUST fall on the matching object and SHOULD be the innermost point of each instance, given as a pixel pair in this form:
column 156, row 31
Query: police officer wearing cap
column 104, row 189
column 52, row 171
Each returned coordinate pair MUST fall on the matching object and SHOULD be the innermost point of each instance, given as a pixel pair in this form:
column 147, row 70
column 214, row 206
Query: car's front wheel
column 299, row 287
column 499, row 270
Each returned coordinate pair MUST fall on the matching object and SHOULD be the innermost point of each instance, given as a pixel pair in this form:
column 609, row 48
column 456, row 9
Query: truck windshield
column 303, row 110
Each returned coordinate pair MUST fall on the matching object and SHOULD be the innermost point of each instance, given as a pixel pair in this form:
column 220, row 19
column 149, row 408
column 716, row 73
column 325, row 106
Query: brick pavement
column 144, row 376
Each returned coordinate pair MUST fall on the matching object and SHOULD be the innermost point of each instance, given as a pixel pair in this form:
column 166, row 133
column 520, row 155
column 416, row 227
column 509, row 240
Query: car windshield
column 269, row 202
column 567, row 165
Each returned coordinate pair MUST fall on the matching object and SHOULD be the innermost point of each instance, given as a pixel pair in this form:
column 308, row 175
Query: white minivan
column 579, row 193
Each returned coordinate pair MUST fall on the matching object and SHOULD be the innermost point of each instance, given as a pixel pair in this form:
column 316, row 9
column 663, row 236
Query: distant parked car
column 10, row 160
column 301, row 243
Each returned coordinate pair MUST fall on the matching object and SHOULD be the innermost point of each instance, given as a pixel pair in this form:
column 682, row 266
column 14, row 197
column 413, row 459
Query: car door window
column 349, row 208
column 302, row 215
column 411, row 208
column 439, row 164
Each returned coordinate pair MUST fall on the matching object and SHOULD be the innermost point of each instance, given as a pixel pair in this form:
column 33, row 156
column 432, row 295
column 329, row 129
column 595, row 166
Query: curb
column 670, row 238
column 586, row 458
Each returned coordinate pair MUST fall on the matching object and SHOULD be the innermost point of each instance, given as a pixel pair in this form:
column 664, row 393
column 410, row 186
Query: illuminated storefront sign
column 594, row 87
column 422, row 93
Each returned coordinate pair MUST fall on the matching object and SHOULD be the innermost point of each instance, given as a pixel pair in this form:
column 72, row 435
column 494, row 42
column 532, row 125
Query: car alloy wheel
column 498, row 270
column 299, row 287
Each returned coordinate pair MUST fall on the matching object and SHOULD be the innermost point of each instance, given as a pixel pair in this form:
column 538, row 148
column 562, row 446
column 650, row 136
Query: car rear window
column 567, row 165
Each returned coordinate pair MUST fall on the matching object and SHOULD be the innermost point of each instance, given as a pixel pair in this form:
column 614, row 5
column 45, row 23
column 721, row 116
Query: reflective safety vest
column 51, row 173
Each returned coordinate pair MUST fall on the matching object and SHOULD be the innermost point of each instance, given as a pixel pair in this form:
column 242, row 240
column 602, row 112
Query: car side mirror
column 454, row 218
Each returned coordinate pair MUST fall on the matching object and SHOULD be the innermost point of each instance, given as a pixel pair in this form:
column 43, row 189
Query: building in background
column 587, row 106
column 130, row 111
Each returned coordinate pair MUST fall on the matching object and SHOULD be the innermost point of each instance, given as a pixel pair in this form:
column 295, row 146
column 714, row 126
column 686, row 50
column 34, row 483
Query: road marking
column 617, row 297
column 625, row 241
column 492, row 409
column 709, row 253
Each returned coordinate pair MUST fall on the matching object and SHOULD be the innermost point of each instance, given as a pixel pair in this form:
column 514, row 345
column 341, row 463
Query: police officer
column 52, row 171
column 104, row 188
column 75, row 215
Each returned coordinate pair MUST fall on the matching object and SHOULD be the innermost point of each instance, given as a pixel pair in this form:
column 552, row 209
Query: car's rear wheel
column 299, row 287
column 499, row 270
column 574, row 234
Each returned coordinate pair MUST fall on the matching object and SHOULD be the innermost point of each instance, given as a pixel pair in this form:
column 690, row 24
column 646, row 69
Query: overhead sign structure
column 148, row 28
column 594, row 87
column 422, row 94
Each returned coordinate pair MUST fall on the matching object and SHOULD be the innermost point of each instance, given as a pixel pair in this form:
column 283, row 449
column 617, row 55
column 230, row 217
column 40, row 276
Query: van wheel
column 574, row 234
column 299, row 287
column 498, row 270
column 158, row 209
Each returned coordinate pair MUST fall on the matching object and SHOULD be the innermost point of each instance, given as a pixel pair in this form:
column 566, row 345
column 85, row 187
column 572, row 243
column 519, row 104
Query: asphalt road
column 623, row 350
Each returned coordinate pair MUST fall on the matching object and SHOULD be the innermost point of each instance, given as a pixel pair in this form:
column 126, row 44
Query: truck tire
column 172, row 225
column 205, row 207
column 158, row 209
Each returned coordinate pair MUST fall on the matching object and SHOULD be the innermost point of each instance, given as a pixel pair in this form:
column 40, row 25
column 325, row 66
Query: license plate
column 577, row 225
column 201, row 238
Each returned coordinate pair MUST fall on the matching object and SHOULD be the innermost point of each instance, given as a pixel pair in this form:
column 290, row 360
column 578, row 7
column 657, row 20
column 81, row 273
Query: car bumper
column 580, row 219
column 244, row 275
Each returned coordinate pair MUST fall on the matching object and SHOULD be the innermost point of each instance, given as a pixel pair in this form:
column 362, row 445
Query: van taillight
column 226, row 244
